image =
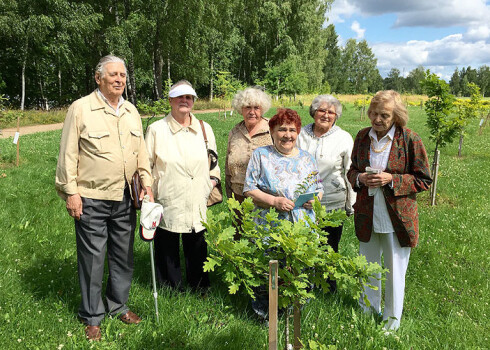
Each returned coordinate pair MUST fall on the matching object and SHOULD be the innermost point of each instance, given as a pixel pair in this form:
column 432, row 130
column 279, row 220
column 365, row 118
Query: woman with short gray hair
column 250, row 133
column 332, row 147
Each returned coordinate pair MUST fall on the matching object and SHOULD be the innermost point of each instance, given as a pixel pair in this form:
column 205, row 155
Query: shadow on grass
column 53, row 281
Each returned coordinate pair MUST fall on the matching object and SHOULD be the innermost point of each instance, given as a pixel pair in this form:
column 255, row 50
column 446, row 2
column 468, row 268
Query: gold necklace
column 379, row 150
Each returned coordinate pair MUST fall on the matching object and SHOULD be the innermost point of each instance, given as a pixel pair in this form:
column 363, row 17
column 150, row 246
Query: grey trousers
column 105, row 226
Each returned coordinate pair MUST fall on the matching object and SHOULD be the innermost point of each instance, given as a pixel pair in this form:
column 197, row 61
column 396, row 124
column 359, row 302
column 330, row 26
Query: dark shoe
column 130, row 318
column 93, row 333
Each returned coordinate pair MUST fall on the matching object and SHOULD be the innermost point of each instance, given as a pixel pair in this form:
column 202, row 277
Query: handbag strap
column 204, row 133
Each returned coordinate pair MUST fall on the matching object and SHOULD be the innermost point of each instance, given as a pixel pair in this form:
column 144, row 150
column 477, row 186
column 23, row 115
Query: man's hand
column 148, row 191
column 74, row 206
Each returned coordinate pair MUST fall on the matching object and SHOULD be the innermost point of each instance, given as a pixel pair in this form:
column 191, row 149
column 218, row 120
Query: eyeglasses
column 325, row 111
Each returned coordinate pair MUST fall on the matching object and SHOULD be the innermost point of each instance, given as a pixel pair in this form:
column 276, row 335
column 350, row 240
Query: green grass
column 447, row 292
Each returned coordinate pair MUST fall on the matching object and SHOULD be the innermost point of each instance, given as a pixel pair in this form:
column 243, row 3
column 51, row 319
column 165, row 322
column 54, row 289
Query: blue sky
column 437, row 34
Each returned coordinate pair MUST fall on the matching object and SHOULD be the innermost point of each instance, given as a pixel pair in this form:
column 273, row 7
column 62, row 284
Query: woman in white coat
column 182, row 184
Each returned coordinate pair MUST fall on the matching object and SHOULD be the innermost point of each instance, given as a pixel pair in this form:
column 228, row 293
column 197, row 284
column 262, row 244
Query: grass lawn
column 447, row 291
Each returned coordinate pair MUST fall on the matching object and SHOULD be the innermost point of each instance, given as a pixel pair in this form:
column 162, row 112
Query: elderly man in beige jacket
column 102, row 146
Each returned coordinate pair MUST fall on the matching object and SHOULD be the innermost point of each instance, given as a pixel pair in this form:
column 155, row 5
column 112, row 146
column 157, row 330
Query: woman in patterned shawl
column 389, row 167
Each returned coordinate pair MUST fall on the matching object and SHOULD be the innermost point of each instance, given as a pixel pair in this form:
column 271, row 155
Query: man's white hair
column 100, row 68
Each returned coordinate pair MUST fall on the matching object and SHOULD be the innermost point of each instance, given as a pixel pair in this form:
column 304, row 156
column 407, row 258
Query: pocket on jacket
column 92, row 141
column 135, row 141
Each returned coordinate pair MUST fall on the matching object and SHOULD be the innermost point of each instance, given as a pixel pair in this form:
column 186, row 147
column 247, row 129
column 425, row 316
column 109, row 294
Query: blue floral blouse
column 280, row 176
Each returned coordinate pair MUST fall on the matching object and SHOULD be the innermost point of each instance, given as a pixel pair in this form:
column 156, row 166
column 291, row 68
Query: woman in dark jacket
column 389, row 167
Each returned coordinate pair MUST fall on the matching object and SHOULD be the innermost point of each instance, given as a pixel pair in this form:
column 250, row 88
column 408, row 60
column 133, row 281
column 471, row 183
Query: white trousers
column 396, row 261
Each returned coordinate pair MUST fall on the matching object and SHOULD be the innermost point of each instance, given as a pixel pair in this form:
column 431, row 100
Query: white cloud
column 472, row 14
column 341, row 9
column 356, row 27
column 478, row 32
column 441, row 56
column 471, row 47
column 445, row 14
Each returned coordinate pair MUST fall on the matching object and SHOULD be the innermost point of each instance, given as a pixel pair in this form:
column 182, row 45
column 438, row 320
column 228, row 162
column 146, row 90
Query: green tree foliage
column 443, row 127
column 468, row 110
column 414, row 79
column 461, row 78
column 43, row 41
column 331, row 71
column 394, row 81
column 301, row 247
column 286, row 78
column 483, row 77
column 358, row 66
column 50, row 47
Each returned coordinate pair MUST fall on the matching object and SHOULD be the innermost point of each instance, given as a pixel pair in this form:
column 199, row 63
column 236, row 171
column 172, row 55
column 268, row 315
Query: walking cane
column 155, row 294
column 151, row 215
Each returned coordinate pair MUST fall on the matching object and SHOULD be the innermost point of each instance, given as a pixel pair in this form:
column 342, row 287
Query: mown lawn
column 447, row 295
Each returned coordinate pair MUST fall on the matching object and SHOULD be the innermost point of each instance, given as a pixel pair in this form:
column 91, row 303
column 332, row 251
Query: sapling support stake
column 273, row 303
column 460, row 147
column 435, row 168
column 297, row 324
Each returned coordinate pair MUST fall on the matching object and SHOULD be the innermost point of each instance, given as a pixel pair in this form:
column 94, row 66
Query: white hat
column 151, row 215
column 182, row 89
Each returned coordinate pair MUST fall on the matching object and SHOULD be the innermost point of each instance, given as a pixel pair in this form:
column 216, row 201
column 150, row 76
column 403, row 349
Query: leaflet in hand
column 305, row 197
column 370, row 170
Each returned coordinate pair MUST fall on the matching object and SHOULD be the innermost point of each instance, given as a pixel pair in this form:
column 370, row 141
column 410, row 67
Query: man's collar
column 119, row 104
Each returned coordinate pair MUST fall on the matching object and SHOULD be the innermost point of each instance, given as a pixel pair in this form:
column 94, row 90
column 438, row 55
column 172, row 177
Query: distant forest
column 50, row 48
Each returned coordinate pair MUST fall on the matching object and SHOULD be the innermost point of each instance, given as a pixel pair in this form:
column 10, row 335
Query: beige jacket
column 99, row 151
column 240, row 148
column 179, row 165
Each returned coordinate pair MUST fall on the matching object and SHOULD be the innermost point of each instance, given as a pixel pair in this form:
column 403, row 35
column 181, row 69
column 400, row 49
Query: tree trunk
column 460, row 148
column 24, row 62
column 131, row 81
column 59, row 86
column 44, row 100
column 211, row 84
column 157, row 64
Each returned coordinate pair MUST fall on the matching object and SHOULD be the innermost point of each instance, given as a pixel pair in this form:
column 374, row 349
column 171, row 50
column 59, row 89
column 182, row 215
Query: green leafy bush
column 301, row 248
column 7, row 118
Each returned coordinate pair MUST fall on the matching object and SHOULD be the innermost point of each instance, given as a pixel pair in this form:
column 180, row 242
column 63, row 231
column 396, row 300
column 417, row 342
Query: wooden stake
column 286, row 330
column 434, row 184
column 273, row 298
column 18, row 141
column 460, row 147
column 297, row 325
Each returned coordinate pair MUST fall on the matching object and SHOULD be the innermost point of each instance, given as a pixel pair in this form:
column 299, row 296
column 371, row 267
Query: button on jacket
column 100, row 151
column 180, row 170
